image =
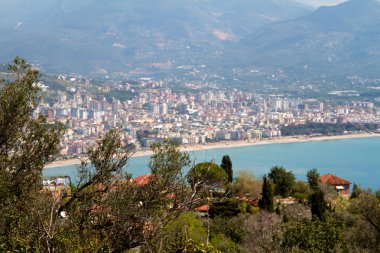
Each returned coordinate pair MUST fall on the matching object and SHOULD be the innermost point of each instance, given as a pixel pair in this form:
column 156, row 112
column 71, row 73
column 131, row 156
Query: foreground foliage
column 26, row 145
column 107, row 211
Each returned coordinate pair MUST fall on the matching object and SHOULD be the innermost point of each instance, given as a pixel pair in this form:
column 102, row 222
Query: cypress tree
column 266, row 201
column 318, row 204
column 355, row 192
column 313, row 179
column 227, row 167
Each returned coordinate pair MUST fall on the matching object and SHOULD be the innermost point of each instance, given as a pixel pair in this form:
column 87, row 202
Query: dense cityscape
column 156, row 113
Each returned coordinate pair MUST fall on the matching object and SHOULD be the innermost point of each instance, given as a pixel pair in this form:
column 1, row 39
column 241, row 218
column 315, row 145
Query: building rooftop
column 333, row 180
column 142, row 180
column 203, row 208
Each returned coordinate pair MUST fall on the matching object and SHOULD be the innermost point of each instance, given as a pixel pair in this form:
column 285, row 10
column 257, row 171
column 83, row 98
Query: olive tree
column 26, row 144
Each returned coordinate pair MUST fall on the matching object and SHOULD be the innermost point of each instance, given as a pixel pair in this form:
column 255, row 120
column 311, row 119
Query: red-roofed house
column 203, row 208
column 142, row 180
column 341, row 185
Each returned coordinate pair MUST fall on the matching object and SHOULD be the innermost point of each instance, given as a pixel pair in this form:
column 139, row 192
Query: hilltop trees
column 146, row 215
column 207, row 175
column 318, row 204
column 355, row 191
column 266, row 201
column 317, row 200
column 227, row 167
column 245, row 184
column 104, row 211
column 368, row 207
column 107, row 211
column 184, row 234
column 26, row 145
column 313, row 236
column 88, row 205
column 263, row 232
column 119, row 215
column 313, row 179
column 363, row 223
column 282, row 179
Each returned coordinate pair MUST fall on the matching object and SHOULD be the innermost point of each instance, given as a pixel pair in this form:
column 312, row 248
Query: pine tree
column 266, row 201
column 227, row 167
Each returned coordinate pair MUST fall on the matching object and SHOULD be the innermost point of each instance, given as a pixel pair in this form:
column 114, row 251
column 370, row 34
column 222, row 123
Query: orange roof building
column 142, row 180
column 203, row 208
column 341, row 185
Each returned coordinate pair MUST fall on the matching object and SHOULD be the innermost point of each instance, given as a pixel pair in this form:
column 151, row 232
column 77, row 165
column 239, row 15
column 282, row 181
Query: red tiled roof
column 333, row 180
column 203, row 208
column 142, row 180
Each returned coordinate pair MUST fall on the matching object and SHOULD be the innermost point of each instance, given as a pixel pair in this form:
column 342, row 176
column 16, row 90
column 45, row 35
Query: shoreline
column 231, row 144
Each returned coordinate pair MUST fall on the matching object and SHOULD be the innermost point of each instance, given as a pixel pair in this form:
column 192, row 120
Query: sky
column 314, row 3
column 317, row 3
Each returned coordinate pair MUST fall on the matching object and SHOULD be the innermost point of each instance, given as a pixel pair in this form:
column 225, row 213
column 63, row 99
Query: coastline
column 231, row 144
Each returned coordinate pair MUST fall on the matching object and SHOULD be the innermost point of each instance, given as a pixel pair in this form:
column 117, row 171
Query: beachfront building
column 341, row 185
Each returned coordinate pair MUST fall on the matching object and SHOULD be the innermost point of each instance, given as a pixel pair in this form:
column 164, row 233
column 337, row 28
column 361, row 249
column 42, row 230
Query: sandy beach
column 230, row 144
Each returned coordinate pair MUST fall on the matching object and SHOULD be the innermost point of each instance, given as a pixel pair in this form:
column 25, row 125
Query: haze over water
column 357, row 160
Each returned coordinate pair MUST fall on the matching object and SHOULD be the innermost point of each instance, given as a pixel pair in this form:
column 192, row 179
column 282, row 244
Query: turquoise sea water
column 357, row 160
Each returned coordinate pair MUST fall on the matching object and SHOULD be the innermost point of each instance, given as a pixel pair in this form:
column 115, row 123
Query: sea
column 356, row 160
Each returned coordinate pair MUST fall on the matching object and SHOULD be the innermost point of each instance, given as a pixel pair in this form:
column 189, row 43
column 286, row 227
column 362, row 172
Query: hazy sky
column 317, row 3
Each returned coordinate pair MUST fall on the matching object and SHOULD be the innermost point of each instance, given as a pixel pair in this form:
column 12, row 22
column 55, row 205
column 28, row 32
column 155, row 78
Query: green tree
column 183, row 233
column 367, row 205
column 245, row 184
column 266, row 201
column 377, row 194
column 363, row 223
column 207, row 175
column 282, row 179
column 224, row 244
column 88, row 207
column 355, row 192
column 227, row 167
column 26, row 144
column 230, row 227
column 323, row 235
column 313, row 179
column 225, row 208
column 318, row 204
column 140, row 212
column 301, row 190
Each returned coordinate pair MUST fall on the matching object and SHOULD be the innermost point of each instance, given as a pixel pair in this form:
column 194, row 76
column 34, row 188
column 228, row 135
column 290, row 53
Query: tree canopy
column 208, row 174
column 318, row 204
column 227, row 167
column 313, row 179
column 266, row 202
column 107, row 211
column 26, row 145
column 245, row 184
column 282, row 179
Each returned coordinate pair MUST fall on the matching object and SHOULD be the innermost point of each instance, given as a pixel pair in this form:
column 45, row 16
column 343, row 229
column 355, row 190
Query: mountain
column 337, row 41
column 98, row 37
column 237, row 39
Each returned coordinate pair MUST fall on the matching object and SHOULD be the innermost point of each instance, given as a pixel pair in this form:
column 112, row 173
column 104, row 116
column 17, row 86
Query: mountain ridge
column 329, row 41
column 118, row 35
column 149, row 37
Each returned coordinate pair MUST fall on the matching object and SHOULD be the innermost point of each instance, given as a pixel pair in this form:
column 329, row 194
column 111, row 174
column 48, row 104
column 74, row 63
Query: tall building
column 163, row 109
